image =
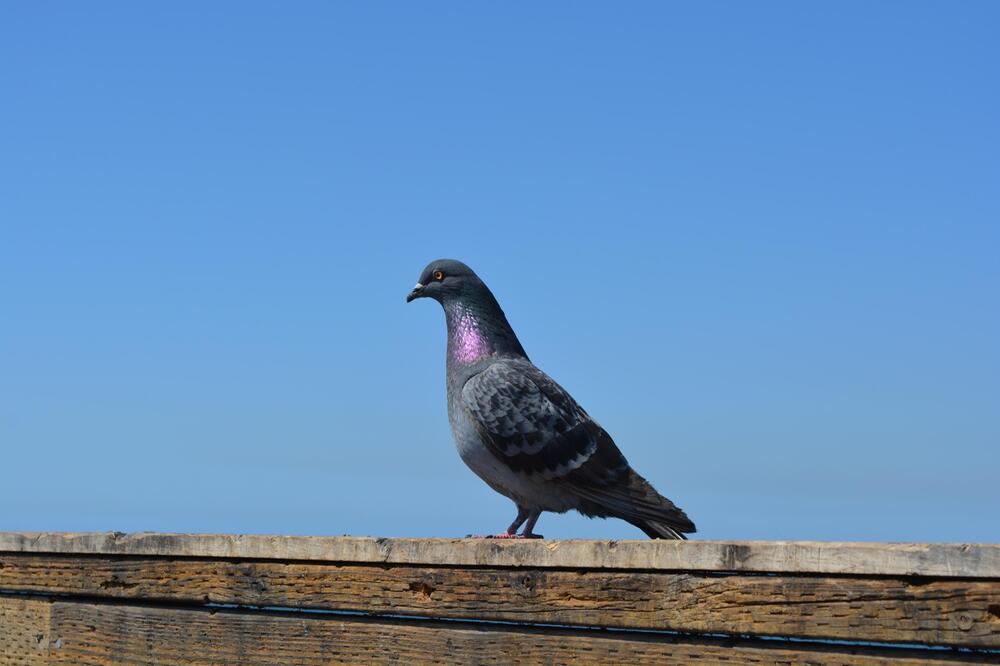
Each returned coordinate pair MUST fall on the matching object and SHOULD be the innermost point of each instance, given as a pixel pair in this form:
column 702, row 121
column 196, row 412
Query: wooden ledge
column 815, row 557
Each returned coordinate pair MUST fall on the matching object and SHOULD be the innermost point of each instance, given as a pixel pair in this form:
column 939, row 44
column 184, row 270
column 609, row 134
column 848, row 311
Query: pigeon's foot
column 525, row 517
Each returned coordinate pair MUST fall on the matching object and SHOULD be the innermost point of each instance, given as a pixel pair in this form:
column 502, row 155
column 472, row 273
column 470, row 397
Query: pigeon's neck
column 477, row 331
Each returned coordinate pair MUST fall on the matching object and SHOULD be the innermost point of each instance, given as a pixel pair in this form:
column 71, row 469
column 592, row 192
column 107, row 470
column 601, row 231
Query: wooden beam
column 24, row 631
column 942, row 612
column 943, row 560
column 123, row 635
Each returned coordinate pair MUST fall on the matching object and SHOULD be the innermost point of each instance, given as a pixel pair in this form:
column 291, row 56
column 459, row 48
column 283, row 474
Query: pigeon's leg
column 530, row 525
column 522, row 515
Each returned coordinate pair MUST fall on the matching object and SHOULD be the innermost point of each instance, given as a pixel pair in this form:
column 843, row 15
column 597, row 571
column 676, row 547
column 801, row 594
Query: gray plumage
column 521, row 432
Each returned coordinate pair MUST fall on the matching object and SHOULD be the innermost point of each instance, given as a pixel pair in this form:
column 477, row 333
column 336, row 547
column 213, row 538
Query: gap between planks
column 934, row 612
column 35, row 632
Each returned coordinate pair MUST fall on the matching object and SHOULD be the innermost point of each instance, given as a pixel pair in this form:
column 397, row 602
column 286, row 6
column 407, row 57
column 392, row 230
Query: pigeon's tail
column 636, row 501
column 656, row 530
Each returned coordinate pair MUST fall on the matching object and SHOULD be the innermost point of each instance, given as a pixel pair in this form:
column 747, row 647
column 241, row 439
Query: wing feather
column 533, row 425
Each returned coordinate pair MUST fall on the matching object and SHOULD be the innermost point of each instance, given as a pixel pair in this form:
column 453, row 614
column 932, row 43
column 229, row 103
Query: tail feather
column 656, row 530
column 633, row 499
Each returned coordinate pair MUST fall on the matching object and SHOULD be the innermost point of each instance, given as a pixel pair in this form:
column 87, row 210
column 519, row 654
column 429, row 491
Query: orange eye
column 438, row 275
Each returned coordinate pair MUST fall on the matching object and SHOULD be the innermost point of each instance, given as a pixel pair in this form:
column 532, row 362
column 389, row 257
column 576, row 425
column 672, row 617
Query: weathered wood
column 85, row 634
column 138, row 599
column 24, row 631
column 940, row 612
column 947, row 560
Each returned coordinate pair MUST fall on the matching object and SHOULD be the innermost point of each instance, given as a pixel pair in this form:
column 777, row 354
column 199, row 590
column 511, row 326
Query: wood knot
column 965, row 621
column 524, row 583
column 422, row 589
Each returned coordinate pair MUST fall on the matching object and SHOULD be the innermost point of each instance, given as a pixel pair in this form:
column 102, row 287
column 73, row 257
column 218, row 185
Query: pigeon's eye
column 438, row 275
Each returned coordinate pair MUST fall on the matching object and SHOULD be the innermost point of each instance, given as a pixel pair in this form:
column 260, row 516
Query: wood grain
column 943, row 560
column 85, row 634
column 940, row 612
column 24, row 631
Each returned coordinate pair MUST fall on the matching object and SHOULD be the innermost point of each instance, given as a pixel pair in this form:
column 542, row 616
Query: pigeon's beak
column 417, row 292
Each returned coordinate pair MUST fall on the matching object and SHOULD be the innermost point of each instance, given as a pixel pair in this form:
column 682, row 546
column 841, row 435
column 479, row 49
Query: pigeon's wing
column 535, row 427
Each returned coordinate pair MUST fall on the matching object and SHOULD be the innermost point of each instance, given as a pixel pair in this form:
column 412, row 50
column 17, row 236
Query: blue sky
column 757, row 241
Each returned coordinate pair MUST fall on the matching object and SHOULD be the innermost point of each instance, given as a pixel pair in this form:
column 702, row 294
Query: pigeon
column 520, row 431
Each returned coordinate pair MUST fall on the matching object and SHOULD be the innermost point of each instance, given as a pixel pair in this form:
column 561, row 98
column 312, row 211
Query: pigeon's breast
column 530, row 491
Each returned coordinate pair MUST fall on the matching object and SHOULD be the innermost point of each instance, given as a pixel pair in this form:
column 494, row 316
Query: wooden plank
column 944, row 560
column 85, row 634
column 939, row 612
column 24, row 631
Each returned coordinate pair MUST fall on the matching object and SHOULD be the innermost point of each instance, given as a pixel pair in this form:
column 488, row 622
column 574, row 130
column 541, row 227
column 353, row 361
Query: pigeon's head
column 445, row 280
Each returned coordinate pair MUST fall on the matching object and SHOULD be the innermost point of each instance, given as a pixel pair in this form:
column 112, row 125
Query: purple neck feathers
column 476, row 332
column 467, row 342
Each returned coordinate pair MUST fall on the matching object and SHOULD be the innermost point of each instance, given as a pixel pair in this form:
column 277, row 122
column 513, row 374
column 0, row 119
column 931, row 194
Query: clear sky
column 759, row 242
